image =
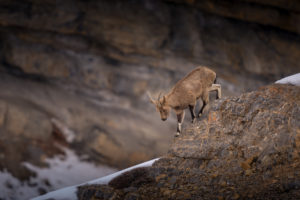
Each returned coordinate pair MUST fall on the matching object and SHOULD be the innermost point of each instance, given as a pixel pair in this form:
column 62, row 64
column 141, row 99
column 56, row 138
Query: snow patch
column 69, row 169
column 293, row 80
column 70, row 192
column 107, row 179
column 63, row 171
column 11, row 188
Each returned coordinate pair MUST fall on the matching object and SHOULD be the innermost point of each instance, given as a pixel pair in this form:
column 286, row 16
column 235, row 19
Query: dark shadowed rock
column 246, row 147
column 135, row 178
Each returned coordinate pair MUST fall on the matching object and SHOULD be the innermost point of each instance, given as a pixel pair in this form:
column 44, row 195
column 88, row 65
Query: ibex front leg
column 216, row 87
column 192, row 110
column 180, row 117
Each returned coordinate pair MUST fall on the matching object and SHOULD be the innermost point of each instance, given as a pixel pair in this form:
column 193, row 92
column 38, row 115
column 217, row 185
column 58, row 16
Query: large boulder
column 246, row 147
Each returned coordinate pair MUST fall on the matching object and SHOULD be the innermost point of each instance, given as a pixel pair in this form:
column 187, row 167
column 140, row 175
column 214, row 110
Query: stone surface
column 247, row 147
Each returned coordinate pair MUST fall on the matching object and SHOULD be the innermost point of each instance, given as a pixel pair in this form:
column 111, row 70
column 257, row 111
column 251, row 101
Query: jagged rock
column 246, row 147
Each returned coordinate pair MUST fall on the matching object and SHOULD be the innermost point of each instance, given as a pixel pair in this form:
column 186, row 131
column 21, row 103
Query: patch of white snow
column 107, row 179
column 70, row 192
column 12, row 188
column 69, row 169
column 63, row 171
column 293, row 80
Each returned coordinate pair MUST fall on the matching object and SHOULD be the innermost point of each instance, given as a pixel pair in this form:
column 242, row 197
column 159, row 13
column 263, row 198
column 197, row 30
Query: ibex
column 196, row 85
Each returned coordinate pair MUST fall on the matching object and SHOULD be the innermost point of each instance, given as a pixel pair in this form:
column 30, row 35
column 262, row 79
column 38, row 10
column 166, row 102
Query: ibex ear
column 150, row 98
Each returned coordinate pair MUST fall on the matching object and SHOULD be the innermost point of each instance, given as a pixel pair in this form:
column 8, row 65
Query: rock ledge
column 247, row 147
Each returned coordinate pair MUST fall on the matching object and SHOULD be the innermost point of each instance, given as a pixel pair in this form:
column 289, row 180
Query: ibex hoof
column 193, row 120
column 177, row 134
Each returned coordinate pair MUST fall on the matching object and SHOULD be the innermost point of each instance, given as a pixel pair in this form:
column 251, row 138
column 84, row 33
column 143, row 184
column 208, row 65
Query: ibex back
column 196, row 85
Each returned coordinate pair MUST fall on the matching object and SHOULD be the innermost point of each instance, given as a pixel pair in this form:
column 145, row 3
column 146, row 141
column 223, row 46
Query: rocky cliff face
column 76, row 72
column 247, row 147
column 109, row 44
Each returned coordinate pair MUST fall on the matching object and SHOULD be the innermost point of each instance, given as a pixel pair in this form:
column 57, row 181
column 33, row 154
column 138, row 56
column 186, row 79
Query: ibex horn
column 149, row 95
column 159, row 96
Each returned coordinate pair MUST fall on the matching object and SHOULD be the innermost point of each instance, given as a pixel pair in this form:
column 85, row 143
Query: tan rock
column 16, row 120
column 3, row 111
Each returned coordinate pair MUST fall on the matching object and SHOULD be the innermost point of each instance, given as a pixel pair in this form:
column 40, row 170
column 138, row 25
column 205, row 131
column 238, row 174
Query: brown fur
column 195, row 85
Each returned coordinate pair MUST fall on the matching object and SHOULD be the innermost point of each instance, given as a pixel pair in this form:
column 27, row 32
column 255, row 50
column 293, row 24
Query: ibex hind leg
column 219, row 92
column 205, row 105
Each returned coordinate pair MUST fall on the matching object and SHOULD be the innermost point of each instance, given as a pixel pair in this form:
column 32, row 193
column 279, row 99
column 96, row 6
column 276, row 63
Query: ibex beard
column 195, row 85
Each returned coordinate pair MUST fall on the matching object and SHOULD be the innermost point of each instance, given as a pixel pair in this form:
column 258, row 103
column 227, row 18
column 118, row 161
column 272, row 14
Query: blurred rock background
column 75, row 73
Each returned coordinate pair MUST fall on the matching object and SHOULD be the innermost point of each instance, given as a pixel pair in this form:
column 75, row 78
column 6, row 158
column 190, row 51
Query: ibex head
column 161, row 106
